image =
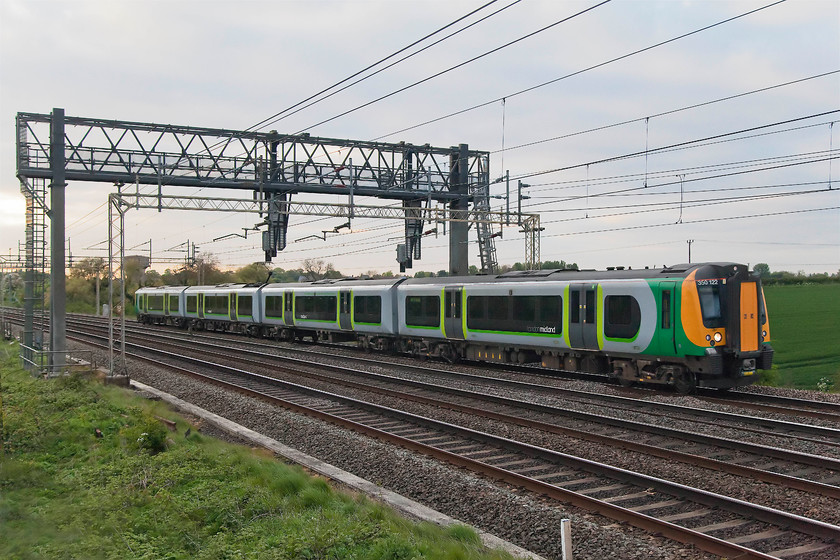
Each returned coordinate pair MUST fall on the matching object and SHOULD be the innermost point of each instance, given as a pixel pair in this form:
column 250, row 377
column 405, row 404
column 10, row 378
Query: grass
column 804, row 326
column 141, row 491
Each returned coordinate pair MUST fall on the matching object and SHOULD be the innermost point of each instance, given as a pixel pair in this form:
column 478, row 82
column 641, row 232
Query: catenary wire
column 288, row 112
column 593, row 67
column 459, row 65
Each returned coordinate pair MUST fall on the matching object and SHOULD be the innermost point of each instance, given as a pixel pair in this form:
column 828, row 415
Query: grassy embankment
column 804, row 331
column 141, row 491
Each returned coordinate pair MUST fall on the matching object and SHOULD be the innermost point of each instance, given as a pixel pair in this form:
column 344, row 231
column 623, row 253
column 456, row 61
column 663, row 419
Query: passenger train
column 686, row 326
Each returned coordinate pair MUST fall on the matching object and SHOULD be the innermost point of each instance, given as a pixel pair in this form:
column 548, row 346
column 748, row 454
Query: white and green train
column 687, row 325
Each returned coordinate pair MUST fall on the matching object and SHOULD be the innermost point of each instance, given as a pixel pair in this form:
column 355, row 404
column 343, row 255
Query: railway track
column 757, row 535
column 810, row 473
column 775, row 404
column 744, row 530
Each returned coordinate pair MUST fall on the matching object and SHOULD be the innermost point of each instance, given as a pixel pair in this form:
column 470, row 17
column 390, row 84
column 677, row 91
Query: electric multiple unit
column 686, row 325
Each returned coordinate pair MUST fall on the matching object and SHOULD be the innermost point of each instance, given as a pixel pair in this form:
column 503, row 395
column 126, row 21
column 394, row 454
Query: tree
column 134, row 269
column 762, row 269
column 317, row 269
column 254, row 273
column 89, row 268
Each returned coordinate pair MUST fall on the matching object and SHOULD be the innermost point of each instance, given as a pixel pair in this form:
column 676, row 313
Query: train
column 684, row 326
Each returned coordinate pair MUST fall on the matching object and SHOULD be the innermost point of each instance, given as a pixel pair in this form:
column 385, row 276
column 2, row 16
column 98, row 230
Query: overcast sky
column 751, row 197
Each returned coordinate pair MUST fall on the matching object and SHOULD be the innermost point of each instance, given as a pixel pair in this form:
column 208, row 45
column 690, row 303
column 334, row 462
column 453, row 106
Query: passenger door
column 453, row 323
column 288, row 308
column 583, row 310
column 344, row 320
column 667, row 317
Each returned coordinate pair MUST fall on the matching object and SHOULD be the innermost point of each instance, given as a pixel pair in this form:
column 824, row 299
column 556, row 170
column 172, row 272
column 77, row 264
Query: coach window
column 216, row 305
column 476, row 310
column 244, row 306
column 326, row 307
column 192, row 304
column 173, row 303
column 316, row 308
column 422, row 311
column 524, row 309
column 274, row 307
column 367, row 309
column 155, row 303
column 550, row 309
column 622, row 317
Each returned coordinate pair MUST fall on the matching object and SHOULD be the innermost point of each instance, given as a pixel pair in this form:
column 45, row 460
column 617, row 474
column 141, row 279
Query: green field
column 805, row 332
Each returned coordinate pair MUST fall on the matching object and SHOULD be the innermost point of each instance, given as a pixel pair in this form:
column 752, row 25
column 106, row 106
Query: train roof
column 619, row 273
column 709, row 270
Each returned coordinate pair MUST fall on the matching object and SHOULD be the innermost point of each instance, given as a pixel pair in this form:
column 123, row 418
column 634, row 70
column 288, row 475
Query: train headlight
column 764, row 334
column 718, row 337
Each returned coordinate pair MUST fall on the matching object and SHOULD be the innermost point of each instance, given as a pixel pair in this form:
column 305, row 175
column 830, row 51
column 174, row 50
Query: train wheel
column 685, row 382
column 625, row 382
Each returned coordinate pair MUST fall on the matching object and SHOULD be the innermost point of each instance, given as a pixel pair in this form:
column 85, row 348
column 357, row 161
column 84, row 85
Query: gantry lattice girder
column 169, row 155
column 128, row 199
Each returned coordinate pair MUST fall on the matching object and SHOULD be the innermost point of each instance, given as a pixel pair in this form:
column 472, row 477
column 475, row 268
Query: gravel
column 529, row 521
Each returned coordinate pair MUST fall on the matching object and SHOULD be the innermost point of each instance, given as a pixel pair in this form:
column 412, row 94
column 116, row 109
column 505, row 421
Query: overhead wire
column 671, row 146
column 613, row 179
column 587, row 69
column 695, row 179
column 455, row 67
column 288, row 111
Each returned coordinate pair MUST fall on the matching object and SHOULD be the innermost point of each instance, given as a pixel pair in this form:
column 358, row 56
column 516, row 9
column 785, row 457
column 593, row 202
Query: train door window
column 288, row 301
column 590, row 306
column 452, row 305
column 138, row 301
column 192, row 302
column 666, row 309
column 574, row 307
column 345, row 302
column 173, row 303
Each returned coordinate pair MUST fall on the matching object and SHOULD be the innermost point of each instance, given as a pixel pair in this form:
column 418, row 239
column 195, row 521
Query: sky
column 770, row 195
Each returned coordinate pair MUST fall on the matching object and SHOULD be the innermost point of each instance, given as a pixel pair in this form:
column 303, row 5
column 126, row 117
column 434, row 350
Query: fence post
column 566, row 538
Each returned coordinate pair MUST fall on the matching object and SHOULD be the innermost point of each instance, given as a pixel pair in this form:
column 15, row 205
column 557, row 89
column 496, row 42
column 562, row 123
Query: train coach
column 686, row 326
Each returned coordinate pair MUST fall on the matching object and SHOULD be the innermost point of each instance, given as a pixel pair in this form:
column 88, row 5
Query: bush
column 147, row 435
